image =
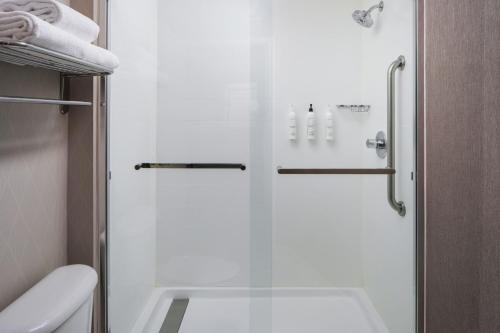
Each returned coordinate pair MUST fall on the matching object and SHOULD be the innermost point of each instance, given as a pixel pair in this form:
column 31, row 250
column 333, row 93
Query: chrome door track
column 173, row 319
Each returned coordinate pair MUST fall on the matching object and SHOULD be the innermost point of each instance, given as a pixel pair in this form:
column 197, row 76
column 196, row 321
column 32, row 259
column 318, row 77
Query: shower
column 235, row 206
column 364, row 17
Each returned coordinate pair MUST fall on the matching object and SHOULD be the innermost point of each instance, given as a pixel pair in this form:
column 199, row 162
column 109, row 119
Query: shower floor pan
column 261, row 311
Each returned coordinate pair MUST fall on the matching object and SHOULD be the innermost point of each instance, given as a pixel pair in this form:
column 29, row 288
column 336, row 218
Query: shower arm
column 379, row 6
column 398, row 206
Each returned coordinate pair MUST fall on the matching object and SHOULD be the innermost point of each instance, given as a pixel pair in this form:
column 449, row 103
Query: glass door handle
column 240, row 166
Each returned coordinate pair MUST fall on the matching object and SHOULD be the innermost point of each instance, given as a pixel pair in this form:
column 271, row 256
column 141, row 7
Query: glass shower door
column 245, row 196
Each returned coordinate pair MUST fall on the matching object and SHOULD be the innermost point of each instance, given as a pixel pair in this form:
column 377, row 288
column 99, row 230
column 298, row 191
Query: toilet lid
column 53, row 300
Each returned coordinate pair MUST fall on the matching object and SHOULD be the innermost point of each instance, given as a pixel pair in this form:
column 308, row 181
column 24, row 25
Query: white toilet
column 60, row 303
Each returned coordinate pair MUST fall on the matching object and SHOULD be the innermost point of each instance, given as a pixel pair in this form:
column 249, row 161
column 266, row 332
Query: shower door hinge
column 109, row 175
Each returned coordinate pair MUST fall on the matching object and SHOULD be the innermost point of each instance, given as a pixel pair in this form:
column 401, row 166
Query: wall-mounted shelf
column 23, row 54
column 360, row 108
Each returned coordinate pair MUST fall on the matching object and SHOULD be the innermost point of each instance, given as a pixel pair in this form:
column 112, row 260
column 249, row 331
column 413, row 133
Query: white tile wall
column 317, row 59
column 206, row 84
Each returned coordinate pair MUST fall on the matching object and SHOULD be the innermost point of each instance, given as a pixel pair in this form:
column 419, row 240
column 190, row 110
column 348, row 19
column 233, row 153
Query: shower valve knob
column 375, row 144
column 379, row 144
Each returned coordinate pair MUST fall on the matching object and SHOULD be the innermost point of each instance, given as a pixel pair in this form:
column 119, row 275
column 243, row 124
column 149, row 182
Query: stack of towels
column 55, row 26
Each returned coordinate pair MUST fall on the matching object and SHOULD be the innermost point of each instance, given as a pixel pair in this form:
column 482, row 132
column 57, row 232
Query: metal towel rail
column 28, row 100
column 282, row 171
column 24, row 54
column 240, row 166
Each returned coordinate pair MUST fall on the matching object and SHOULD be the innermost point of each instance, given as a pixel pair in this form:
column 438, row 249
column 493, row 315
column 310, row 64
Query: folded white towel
column 57, row 14
column 24, row 27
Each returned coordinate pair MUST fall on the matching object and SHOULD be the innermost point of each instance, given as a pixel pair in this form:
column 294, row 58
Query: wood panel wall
column 87, row 171
column 489, row 315
column 462, row 105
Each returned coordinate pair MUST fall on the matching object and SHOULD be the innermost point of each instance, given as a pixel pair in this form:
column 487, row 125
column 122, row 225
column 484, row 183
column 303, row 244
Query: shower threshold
column 260, row 311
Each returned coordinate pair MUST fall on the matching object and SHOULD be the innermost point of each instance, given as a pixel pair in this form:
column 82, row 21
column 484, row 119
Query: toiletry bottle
column 292, row 124
column 329, row 124
column 311, row 124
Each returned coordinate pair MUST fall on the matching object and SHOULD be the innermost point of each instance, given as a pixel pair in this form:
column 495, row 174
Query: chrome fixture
column 399, row 63
column 384, row 171
column 354, row 108
column 379, row 144
column 242, row 167
column 24, row 54
column 28, row 100
column 364, row 17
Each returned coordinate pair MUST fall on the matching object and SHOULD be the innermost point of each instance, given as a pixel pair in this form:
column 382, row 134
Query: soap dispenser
column 329, row 124
column 292, row 124
column 311, row 124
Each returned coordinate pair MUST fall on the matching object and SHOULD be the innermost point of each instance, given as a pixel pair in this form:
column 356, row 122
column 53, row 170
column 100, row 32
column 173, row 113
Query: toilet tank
column 60, row 303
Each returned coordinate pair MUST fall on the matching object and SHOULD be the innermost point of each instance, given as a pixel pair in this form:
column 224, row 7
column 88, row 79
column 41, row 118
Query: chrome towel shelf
column 23, row 54
column 242, row 167
column 354, row 108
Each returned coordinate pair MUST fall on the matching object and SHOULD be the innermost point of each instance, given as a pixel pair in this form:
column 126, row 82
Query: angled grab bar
column 398, row 206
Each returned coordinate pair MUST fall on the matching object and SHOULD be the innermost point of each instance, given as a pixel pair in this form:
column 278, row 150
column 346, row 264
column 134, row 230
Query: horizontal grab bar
column 26, row 100
column 190, row 166
column 336, row 171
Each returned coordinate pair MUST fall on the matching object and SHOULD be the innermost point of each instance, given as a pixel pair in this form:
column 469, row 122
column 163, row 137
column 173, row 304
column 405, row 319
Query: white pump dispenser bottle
column 311, row 124
column 292, row 124
column 329, row 124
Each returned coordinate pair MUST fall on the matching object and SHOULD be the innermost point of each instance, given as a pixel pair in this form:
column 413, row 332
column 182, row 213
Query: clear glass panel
column 253, row 250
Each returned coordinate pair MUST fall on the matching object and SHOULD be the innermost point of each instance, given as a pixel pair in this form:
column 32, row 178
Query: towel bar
column 282, row 171
column 242, row 167
column 27, row 100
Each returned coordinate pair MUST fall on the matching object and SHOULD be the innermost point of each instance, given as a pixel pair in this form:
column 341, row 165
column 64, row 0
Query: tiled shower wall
column 33, row 179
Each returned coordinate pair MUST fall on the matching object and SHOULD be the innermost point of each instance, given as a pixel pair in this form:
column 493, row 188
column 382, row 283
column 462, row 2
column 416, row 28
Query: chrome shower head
column 364, row 17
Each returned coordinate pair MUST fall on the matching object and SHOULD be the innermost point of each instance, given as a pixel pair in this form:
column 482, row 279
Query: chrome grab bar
column 282, row 171
column 242, row 167
column 398, row 206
